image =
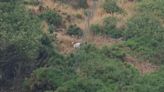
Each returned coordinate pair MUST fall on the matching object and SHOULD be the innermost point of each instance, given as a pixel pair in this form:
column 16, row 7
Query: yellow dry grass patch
column 65, row 42
column 101, row 41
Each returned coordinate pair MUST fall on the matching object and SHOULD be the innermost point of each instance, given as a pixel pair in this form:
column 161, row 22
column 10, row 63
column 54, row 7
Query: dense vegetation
column 108, row 28
column 23, row 46
column 52, row 18
column 75, row 3
column 30, row 61
column 110, row 6
column 73, row 30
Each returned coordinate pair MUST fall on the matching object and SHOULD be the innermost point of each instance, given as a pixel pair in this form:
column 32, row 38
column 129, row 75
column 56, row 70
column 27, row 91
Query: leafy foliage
column 21, row 48
column 86, row 70
column 154, row 7
column 76, row 3
column 32, row 2
column 96, row 29
column 74, row 30
column 147, row 32
column 52, row 17
column 110, row 6
column 153, row 82
column 108, row 28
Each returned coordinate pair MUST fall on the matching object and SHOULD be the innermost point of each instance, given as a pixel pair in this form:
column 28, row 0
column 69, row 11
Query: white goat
column 76, row 45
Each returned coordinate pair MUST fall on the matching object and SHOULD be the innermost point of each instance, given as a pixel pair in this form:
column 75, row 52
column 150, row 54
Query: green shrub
column 110, row 29
column 96, row 29
column 73, row 30
column 142, row 24
column 75, row 3
column 87, row 70
column 21, row 49
column 52, row 17
column 151, row 83
column 81, row 85
column 10, row 0
column 110, row 6
column 46, row 40
column 131, row 44
column 114, row 52
column 82, row 3
column 33, row 2
column 154, row 7
column 47, row 79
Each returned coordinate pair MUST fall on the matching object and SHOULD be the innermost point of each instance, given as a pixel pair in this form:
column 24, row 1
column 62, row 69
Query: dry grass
column 144, row 67
column 65, row 42
column 101, row 41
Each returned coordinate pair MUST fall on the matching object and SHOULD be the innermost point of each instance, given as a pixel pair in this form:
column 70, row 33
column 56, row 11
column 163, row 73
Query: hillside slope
column 121, row 46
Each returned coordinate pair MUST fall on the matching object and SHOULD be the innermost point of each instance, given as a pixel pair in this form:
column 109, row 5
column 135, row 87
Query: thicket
column 92, row 70
column 110, row 6
column 108, row 28
column 154, row 7
column 52, row 18
column 144, row 33
column 22, row 47
column 75, row 3
column 89, row 69
column 74, row 30
column 32, row 2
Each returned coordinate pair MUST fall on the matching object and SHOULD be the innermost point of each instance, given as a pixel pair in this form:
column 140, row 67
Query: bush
column 82, row 3
column 81, row 85
column 76, row 3
column 110, row 6
column 46, row 40
column 96, row 29
column 52, row 17
column 33, row 2
column 154, row 7
column 110, row 28
column 131, row 44
column 114, row 52
column 73, row 30
column 150, row 83
column 21, row 49
column 47, row 79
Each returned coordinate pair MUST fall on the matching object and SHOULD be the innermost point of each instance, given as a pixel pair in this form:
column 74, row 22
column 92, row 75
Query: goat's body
column 77, row 45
